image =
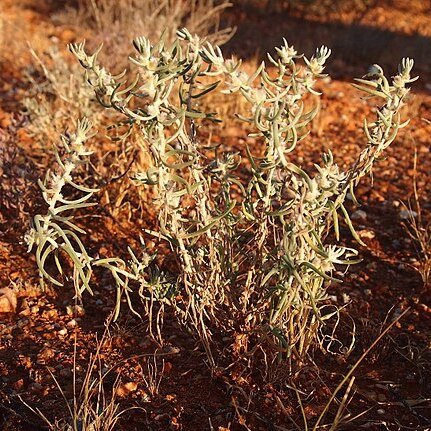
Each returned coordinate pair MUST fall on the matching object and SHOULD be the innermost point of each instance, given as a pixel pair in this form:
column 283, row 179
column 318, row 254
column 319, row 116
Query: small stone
column 72, row 324
column 79, row 311
column 34, row 309
column 25, row 312
column 21, row 323
column 366, row 234
column 75, row 310
column 50, row 314
column 408, row 214
column 5, row 120
column 45, row 355
column 359, row 215
column 8, row 300
column 25, row 361
column 125, row 389
column 170, row 350
column 382, row 398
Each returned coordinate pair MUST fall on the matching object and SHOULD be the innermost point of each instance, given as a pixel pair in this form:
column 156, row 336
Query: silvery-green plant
column 254, row 256
column 55, row 235
column 54, row 231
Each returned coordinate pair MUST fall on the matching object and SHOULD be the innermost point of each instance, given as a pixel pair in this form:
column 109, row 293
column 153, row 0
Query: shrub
column 130, row 18
column 56, row 94
column 57, row 91
column 255, row 254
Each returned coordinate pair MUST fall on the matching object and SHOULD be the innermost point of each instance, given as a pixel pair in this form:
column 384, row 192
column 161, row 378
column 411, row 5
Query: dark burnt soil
column 49, row 335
